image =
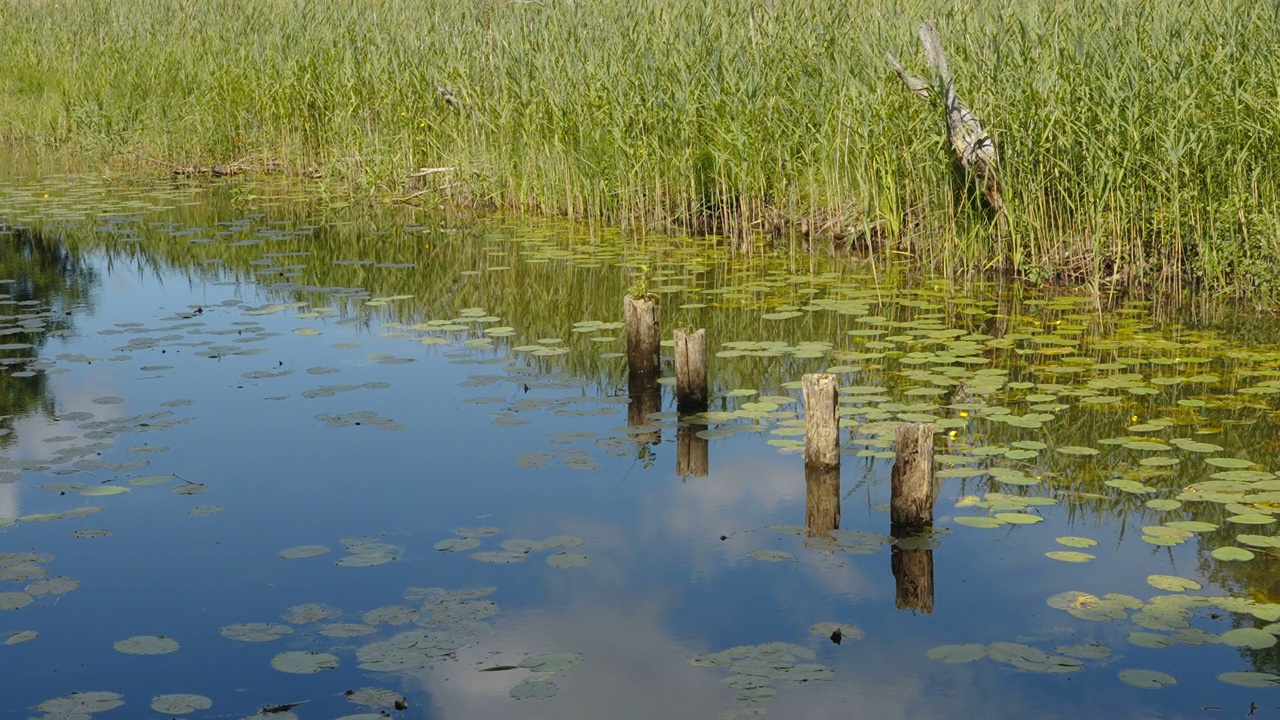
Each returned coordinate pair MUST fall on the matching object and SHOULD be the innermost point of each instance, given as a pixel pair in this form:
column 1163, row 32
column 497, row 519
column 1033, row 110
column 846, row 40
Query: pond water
column 266, row 457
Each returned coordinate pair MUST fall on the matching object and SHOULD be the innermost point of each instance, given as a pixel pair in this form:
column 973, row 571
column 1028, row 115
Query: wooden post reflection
column 691, row 452
column 821, row 500
column 912, row 577
column 646, row 398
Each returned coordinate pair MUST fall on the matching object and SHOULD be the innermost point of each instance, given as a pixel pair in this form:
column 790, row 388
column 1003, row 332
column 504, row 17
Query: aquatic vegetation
column 1128, row 158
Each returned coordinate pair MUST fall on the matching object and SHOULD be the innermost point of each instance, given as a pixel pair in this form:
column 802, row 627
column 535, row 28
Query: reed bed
column 1138, row 139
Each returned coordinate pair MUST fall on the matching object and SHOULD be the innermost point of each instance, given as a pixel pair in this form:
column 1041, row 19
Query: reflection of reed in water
column 822, row 500
column 691, row 452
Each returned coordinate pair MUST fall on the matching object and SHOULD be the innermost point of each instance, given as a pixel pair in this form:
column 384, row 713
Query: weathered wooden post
column 911, row 515
column 691, row 452
column 643, row 337
column 691, row 370
column 643, row 365
column 913, row 493
column 821, row 500
column 822, row 421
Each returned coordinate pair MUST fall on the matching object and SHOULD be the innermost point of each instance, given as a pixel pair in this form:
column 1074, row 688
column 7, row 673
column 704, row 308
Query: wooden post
column 691, row 370
column 691, row 452
column 821, row 500
column 913, row 578
column 643, row 337
column 822, row 421
column 913, row 493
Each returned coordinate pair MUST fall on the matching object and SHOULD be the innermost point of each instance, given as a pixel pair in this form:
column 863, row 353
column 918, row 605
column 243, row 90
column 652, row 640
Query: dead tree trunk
column 973, row 147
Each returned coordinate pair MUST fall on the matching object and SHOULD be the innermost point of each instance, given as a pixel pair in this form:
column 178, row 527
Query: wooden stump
column 821, row 500
column 913, row 579
column 913, row 493
column 691, row 370
column 822, row 421
column 691, row 452
column 643, row 336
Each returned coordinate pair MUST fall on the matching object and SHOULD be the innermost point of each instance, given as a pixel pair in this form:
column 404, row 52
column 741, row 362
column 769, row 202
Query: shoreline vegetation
column 1137, row 140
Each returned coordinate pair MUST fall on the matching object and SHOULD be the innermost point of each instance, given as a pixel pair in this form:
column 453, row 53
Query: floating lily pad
column 303, row 663
column 180, row 703
column 771, row 555
column 375, row 697
column 79, row 704
column 978, row 521
column 60, row 585
column 961, row 653
column 1076, row 542
column 1146, row 679
column 1253, row 638
column 1069, row 556
column 1231, row 552
column 553, row 662
column 535, row 690
column 303, row 551
column 147, row 645
column 255, row 632
column 1172, row 583
column 21, row 637
column 1250, row 679
column 568, row 560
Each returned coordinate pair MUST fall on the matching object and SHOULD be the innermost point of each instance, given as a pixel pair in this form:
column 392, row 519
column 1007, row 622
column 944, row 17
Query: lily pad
column 771, row 555
column 1253, row 638
column 147, row 645
column 21, row 637
column 1250, row 679
column 303, row 551
column 180, row 703
column 1230, row 552
column 535, row 690
column 1146, row 679
column 1172, row 583
column 375, row 697
column 304, row 663
column 255, row 632
column 1075, row 541
column 553, row 662
column 960, row 653
column 568, row 560
column 1069, row 556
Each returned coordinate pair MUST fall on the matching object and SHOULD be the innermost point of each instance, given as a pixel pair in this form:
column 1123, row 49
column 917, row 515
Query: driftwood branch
column 973, row 147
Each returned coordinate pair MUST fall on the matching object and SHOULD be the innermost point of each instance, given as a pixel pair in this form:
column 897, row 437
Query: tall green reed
column 1136, row 138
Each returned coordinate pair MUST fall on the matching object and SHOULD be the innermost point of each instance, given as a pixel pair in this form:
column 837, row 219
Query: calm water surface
column 245, row 376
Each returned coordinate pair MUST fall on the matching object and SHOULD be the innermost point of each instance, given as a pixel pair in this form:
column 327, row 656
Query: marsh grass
column 1137, row 139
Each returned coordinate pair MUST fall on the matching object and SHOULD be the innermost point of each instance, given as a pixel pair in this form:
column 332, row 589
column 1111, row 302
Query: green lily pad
column 1076, row 542
column 566, row 560
column 978, row 521
column 1247, row 637
column 300, row 662
column 21, row 637
column 1016, row 518
column 757, row 694
column 1146, row 679
column 180, row 703
column 303, row 551
column 553, row 662
column 255, row 632
column 80, row 704
column 147, row 645
column 376, row 697
column 535, row 690
column 1172, row 583
column 771, row 555
column 1250, row 679
column 1077, row 450
column 959, row 653
column 1231, row 552
column 1069, row 556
